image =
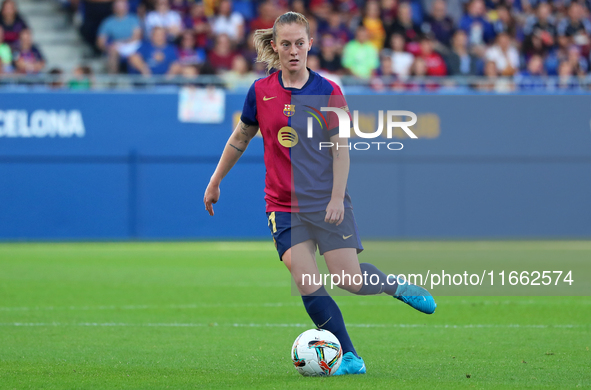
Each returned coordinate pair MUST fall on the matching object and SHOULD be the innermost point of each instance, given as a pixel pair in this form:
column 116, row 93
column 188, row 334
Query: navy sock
column 325, row 314
column 377, row 284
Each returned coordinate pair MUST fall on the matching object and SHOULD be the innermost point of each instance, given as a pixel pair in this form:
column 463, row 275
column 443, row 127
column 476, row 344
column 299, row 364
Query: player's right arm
column 236, row 145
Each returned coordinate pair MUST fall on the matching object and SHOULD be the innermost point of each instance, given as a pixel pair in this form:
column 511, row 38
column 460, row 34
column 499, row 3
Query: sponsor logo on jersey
column 287, row 137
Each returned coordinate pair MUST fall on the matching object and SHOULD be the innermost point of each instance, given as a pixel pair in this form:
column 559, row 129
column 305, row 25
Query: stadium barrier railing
column 450, row 84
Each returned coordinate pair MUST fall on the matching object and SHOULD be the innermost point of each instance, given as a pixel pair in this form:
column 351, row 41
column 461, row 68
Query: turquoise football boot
column 350, row 365
column 415, row 296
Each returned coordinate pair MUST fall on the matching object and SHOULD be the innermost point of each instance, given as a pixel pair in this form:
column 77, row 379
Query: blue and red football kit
column 298, row 188
column 299, row 177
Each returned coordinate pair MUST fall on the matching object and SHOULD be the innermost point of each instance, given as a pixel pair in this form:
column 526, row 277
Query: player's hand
column 212, row 194
column 335, row 211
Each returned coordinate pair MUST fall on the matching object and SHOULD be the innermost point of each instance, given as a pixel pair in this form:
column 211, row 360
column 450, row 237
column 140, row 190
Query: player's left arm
column 335, row 211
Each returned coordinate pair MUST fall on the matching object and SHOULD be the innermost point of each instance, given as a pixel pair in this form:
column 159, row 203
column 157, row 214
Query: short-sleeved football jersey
column 299, row 173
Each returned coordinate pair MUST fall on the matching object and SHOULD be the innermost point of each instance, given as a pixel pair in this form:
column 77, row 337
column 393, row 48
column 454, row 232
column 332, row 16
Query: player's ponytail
column 263, row 38
column 265, row 52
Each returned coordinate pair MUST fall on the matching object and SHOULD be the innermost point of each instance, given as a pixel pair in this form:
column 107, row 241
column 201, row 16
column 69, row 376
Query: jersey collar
column 312, row 75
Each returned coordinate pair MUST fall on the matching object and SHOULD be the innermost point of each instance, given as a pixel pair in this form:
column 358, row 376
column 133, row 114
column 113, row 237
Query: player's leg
column 373, row 281
column 300, row 259
column 360, row 279
column 340, row 245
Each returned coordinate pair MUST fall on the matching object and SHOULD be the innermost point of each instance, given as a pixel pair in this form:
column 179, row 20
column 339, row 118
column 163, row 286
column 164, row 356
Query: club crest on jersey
column 289, row 110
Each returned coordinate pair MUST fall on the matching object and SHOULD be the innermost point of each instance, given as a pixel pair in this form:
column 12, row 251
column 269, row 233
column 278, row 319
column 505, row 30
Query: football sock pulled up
column 325, row 314
column 375, row 281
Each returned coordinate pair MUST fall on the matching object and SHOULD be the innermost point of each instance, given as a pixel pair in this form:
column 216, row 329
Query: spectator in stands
column 565, row 69
column 190, row 72
column 222, row 55
column 337, row 29
column 180, row 6
column 330, row 60
column 189, row 54
column 491, row 75
column 313, row 62
column 454, row 8
column 5, row 55
column 529, row 79
column 360, row 57
column 493, row 82
column 557, row 55
column 433, row 61
column 56, row 79
column 565, row 76
column 464, row 46
column 401, row 60
column 164, row 17
column 229, row 23
column 240, row 75
column 11, row 22
column 27, row 57
column 504, row 21
column 388, row 11
column 95, row 11
column 82, row 80
column 386, row 76
column 405, row 26
column 248, row 50
column 373, row 24
column 490, row 70
column 540, row 31
column 535, row 67
column 504, row 55
column 156, row 56
column 575, row 29
column 348, row 8
column 321, row 9
column 438, row 23
column 250, row 54
column 266, row 17
column 313, row 25
column 459, row 61
column 386, row 66
column 315, row 65
column 476, row 25
column 119, row 35
column 418, row 73
column 579, row 64
column 198, row 23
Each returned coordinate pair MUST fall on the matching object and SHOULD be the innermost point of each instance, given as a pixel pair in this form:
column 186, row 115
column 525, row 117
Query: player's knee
column 286, row 258
column 352, row 288
column 304, row 285
column 347, row 282
column 301, row 280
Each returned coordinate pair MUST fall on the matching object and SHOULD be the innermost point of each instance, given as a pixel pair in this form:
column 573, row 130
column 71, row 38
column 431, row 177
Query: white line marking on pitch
column 294, row 325
column 146, row 307
column 270, row 304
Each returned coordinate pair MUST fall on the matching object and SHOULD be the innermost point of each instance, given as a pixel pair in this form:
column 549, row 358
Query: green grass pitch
column 219, row 315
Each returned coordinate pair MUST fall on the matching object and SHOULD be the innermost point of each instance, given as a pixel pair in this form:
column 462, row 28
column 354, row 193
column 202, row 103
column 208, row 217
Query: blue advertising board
column 120, row 165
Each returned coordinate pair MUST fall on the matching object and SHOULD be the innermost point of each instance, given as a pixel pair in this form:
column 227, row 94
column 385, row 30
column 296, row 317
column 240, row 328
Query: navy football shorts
column 290, row 229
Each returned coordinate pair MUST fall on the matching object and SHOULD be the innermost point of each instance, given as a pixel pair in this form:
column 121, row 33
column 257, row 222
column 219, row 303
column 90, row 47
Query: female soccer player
column 306, row 186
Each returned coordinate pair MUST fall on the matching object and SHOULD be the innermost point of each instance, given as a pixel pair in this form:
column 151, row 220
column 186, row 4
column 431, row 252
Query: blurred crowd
column 394, row 39
column 18, row 53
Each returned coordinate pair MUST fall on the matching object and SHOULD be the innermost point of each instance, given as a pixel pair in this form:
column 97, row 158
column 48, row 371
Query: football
column 316, row 352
